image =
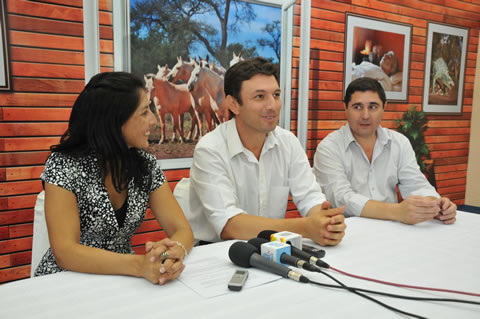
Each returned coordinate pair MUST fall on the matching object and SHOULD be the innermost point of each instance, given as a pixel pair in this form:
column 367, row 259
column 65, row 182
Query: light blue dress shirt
column 348, row 178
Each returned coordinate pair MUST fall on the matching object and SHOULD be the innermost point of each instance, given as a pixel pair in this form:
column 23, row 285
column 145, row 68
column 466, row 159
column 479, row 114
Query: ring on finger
column 164, row 255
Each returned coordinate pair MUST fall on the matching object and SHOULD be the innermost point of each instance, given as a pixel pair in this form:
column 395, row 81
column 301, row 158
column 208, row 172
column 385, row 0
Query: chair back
column 182, row 195
column 40, row 233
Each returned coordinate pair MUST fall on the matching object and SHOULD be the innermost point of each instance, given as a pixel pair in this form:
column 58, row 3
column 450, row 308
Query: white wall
column 472, row 196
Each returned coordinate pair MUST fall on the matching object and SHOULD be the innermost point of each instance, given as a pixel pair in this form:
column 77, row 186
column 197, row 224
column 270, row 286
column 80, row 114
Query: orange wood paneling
column 32, row 129
column 18, row 202
column 22, row 258
column 23, row 158
column 48, row 85
column 15, row 217
column 48, row 70
column 34, row 99
column 27, row 144
column 47, row 56
column 3, row 235
column 35, row 114
column 14, row 245
column 22, row 173
column 20, row 187
column 21, row 230
column 14, row 273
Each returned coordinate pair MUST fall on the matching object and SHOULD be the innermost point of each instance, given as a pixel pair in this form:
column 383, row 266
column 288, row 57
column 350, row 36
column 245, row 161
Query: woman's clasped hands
column 163, row 261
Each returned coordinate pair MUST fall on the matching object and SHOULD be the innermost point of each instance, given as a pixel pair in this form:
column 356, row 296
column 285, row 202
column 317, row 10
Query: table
column 429, row 254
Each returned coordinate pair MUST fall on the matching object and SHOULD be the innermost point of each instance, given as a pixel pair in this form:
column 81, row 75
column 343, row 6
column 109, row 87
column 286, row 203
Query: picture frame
column 379, row 49
column 445, row 62
column 123, row 58
column 5, row 76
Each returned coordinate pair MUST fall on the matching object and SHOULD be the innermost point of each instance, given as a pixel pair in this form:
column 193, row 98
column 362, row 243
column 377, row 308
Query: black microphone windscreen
column 265, row 234
column 257, row 242
column 240, row 253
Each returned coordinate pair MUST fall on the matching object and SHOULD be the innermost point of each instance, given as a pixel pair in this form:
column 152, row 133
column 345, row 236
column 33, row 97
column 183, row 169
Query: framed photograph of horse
column 445, row 57
column 378, row 49
column 5, row 81
column 182, row 49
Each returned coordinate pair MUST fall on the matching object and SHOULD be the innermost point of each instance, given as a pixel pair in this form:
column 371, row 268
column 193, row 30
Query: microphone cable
column 394, row 295
column 354, row 290
column 403, row 285
column 327, row 266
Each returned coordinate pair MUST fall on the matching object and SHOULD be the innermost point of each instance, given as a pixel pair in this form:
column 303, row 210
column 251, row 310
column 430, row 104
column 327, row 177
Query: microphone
column 265, row 234
column 284, row 257
column 246, row 255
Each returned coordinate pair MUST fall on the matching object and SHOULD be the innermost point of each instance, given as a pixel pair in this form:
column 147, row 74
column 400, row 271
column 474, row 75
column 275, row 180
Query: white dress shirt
column 226, row 179
column 348, row 178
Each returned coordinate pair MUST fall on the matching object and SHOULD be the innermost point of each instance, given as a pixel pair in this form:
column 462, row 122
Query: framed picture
column 444, row 69
column 381, row 50
column 5, row 81
column 185, row 47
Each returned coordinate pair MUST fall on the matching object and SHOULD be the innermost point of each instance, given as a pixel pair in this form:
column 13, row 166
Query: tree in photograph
column 274, row 42
column 178, row 22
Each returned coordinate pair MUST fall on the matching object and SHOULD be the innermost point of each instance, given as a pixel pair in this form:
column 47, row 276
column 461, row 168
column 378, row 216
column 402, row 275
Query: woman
column 98, row 182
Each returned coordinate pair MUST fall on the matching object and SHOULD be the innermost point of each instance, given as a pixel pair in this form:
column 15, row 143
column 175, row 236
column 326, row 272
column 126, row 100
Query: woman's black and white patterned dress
column 98, row 225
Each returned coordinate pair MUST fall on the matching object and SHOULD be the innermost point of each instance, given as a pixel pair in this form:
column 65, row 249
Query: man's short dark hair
column 245, row 70
column 364, row 84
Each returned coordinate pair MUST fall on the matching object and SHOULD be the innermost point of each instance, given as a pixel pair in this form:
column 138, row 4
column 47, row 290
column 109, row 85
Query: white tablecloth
column 429, row 254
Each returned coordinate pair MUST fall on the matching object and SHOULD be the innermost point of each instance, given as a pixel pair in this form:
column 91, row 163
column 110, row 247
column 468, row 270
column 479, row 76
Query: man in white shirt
column 360, row 165
column 244, row 170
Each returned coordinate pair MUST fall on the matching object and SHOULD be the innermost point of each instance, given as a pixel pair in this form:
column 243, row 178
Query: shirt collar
column 235, row 145
column 382, row 137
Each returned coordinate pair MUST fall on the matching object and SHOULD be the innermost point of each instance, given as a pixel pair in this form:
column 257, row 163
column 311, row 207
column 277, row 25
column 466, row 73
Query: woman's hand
column 163, row 261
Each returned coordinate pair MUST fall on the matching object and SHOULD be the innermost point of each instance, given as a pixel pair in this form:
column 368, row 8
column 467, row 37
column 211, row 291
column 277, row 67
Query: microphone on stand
column 284, row 257
column 246, row 255
column 265, row 234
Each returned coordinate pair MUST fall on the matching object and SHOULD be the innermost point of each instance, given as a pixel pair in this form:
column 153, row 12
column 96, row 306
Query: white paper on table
column 209, row 277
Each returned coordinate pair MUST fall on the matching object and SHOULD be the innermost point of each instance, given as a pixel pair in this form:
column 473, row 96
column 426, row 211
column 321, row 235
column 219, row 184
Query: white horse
column 236, row 59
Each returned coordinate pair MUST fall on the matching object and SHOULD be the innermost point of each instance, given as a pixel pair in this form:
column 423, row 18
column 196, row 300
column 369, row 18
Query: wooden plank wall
column 448, row 135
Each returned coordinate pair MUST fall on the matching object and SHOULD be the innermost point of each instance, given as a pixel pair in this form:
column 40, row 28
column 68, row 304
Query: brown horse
column 172, row 99
column 180, row 73
column 217, row 68
column 213, row 83
column 204, row 105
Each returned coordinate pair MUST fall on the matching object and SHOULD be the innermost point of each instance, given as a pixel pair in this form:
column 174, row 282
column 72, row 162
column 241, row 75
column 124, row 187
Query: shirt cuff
column 426, row 193
column 306, row 205
column 354, row 205
column 220, row 219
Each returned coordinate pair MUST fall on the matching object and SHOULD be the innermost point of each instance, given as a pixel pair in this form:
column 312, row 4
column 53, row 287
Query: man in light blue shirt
column 361, row 164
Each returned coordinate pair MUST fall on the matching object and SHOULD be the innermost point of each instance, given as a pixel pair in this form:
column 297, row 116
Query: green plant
column 413, row 125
